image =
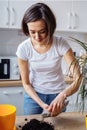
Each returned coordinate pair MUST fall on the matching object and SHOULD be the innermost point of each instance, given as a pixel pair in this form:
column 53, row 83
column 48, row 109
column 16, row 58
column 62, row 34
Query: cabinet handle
column 75, row 21
column 8, row 16
column 70, row 20
column 10, row 93
column 14, row 18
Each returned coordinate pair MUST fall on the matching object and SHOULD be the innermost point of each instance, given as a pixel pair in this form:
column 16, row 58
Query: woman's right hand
column 57, row 104
column 44, row 106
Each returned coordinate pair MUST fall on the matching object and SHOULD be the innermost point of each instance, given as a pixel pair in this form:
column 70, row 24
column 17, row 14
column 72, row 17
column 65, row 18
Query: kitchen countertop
column 11, row 83
column 64, row 121
column 8, row 83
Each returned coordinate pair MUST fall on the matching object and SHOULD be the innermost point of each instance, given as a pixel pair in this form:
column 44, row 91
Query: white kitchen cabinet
column 71, row 15
column 18, row 9
column 12, row 12
column 14, row 96
column 4, row 14
column 61, row 11
column 80, row 15
column 9, row 14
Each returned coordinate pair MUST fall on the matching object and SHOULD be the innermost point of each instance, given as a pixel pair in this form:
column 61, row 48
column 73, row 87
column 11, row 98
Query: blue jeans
column 31, row 107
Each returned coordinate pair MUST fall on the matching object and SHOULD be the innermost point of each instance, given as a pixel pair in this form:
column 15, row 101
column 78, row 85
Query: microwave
column 9, row 69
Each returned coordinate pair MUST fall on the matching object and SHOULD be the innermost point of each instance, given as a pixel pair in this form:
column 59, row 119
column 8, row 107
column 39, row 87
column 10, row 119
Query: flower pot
column 7, row 116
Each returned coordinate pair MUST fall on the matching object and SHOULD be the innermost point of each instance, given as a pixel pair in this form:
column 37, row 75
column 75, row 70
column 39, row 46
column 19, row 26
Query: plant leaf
column 83, row 44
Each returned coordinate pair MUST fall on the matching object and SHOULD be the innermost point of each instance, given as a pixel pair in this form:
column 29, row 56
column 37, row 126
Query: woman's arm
column 75, row 71
column 57, row 104
column 24, row 71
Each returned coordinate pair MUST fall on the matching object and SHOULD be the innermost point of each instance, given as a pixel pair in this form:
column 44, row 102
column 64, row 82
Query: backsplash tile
column 9, row 40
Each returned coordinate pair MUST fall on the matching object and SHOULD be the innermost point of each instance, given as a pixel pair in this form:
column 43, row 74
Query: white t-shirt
column 45, row 69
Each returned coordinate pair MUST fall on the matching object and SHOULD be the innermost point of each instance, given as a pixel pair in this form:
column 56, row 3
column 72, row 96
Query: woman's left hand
column 57, row 104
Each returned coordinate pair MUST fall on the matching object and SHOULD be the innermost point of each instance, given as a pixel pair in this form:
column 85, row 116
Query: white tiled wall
column 9, row 40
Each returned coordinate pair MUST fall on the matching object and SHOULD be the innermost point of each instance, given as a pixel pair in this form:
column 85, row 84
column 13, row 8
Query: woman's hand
column 57, row 104
column 45, row 106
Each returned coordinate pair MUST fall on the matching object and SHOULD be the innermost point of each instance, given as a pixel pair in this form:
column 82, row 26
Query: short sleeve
column 63, row 46
column 22, row 51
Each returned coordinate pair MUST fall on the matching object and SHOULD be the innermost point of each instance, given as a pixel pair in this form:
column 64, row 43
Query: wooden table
column 10, row 83
column 64, row 121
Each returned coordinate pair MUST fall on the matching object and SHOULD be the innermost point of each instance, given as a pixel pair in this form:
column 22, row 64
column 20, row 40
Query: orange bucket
column 7, row 116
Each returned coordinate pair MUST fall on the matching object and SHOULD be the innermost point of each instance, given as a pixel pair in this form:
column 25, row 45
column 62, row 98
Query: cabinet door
column 17, row 10
column 11, row 12
column 16, row 13
column 62, row 12
column 14, row 96
column 70, row 15
column 4, row 14
column 80, row 15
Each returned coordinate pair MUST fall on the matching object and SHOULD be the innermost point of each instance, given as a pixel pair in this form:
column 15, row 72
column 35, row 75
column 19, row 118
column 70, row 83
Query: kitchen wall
column 10, row 39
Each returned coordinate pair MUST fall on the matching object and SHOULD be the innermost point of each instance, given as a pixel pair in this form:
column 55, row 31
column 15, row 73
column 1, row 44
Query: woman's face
column 38, row 31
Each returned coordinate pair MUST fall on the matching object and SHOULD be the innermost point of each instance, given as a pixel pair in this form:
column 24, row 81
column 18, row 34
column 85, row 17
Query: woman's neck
column 42, row 47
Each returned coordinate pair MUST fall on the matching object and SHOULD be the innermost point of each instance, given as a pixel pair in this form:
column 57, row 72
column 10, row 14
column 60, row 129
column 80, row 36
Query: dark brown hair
column 35, row 124
column 36, row 12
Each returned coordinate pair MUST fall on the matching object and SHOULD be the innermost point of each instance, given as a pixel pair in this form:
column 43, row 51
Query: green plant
column 82, row 61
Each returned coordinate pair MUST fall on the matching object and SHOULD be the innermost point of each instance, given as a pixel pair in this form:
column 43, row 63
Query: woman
column 39, row 59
